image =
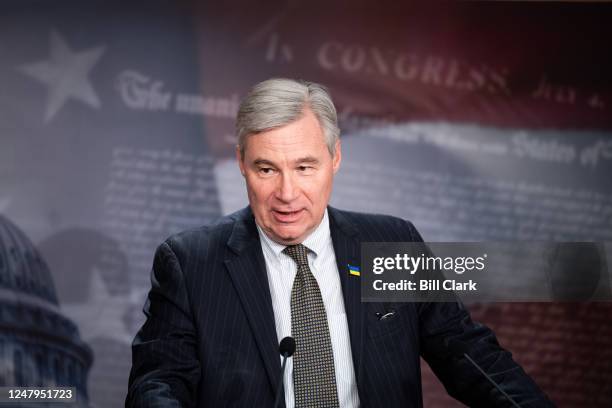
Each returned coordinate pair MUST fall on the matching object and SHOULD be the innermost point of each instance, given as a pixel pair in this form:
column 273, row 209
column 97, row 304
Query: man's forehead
column 286, row 143
column 298, row 160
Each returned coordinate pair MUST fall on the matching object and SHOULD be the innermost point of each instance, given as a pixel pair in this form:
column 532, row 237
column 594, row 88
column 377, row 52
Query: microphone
column 286, row 349
column 459, row 348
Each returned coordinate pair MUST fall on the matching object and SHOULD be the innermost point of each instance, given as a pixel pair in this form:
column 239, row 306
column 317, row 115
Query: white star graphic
column 102, row 315
column 65, row 74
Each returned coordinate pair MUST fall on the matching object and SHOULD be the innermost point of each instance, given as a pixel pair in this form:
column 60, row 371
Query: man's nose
column 288, row 190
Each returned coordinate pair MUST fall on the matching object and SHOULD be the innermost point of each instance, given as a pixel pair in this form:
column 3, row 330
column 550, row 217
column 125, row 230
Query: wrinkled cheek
column 254, row 193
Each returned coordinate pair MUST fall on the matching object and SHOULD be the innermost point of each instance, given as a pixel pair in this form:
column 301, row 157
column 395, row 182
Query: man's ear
column 240, row 160
column 337, row 157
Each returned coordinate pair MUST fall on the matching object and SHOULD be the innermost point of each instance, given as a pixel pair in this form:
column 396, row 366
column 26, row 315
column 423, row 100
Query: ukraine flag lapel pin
column 354, row 270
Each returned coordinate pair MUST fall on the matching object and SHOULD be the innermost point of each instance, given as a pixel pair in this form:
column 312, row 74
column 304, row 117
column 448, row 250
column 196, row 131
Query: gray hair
column 277, row 102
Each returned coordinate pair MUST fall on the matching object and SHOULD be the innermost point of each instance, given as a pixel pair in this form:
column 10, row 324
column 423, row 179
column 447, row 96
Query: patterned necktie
column 314, row 377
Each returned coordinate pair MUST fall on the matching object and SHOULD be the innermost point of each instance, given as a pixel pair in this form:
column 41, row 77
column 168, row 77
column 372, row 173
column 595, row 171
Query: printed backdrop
column 478, row 121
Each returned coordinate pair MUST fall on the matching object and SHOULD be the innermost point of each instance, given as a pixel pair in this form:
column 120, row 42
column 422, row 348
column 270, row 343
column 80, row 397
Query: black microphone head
column 457, row 347
column 287, row 346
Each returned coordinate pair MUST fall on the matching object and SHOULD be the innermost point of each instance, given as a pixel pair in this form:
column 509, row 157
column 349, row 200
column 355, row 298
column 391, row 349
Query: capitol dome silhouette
column 39, row 346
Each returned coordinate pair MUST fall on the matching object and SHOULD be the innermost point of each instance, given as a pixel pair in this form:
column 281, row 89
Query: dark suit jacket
column 210, row 339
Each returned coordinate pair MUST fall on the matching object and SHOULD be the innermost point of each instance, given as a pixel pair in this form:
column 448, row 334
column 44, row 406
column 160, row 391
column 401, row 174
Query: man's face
column 289, row 173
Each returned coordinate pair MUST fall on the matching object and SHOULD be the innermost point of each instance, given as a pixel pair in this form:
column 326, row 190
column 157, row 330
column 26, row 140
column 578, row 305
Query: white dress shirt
column 281, row 271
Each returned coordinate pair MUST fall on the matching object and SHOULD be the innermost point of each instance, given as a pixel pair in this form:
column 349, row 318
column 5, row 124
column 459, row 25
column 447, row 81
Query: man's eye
column 266, row 170
column 305, row 168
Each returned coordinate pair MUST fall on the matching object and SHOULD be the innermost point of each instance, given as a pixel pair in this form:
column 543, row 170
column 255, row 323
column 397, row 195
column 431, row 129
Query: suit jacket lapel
column 247, row 269
column 348, row 252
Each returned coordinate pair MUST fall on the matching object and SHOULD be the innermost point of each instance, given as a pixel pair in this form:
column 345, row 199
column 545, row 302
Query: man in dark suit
column 223, row 296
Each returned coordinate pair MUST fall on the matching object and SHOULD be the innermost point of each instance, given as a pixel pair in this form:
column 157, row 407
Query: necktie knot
column 299, row 254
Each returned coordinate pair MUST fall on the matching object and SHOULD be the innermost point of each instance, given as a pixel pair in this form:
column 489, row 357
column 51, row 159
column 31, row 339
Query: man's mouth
column 287, row 216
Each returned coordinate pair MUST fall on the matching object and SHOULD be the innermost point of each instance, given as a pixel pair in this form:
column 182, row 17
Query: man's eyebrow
column 307, row 160
column 263, row 162
column 301, row 160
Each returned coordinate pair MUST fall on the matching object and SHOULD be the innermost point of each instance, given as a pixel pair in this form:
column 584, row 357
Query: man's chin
column 288, row 236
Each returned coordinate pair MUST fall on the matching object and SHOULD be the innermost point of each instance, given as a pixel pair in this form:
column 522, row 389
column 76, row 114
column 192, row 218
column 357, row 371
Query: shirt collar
column 315, row 241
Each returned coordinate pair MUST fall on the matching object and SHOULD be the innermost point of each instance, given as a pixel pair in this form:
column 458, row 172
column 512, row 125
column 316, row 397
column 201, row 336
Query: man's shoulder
column 217, row 232
column 359, row 217
column 374, row 226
